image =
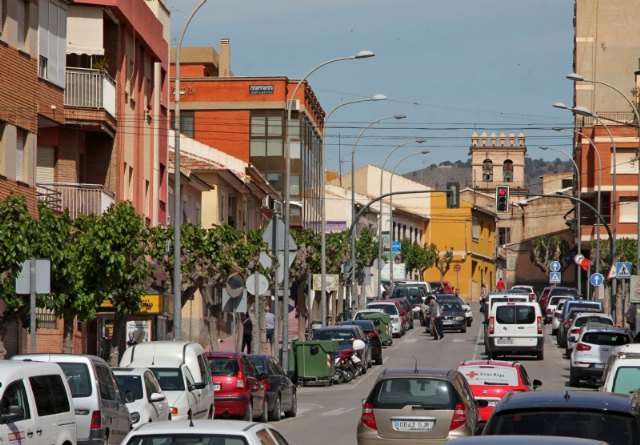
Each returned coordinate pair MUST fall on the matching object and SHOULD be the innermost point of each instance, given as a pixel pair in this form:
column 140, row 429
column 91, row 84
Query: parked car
column 406, row 311
column 592, row 352
column 581, row 320
column 210, row 432
column 553, row 291
column 611, row 418
column 527, row 289
column 414, row 293
column 524, row 440
column 345, row 336
column 281, row 391
column 418, row 406
column 570, row 308
column 490, row 380
column 453, row 316
column 468, row 313
column 622, row 371
column 515, row 328
column 238, row 387
column 369, row 329
column 551, row 306
column 34, row 396
column 101, row 414
column 390, row 308
column 142, row 394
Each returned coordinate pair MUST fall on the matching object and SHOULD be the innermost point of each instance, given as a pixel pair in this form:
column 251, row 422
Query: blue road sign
column 395, row 246
column 555, row 277
column 623, row 270
column 596, row 279
column 555, row 266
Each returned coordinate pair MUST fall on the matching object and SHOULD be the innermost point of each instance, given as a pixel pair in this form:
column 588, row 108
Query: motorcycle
column 347, row 363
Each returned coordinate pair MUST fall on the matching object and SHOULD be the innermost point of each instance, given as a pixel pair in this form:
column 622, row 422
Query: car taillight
column 492, row 323
column 539, row 324
column 368, row 418
column 575, row 331
column 549, row 310
column 240, row 380
column 583, row 347
column 266, row 384
column 459, row 417
column 96, row 420
column 533, row 297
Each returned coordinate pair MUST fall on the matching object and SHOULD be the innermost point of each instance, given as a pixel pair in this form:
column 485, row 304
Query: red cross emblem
column 472, row 374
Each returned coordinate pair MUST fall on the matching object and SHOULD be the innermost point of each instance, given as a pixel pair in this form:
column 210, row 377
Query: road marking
column 337, row 411
column 411, row 340
column 479, row 341
column 458, row 340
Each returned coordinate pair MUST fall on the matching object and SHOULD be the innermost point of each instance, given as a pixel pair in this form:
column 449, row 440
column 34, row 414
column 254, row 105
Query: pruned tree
column 545, row 249
column 417, row 257
column 443, row 262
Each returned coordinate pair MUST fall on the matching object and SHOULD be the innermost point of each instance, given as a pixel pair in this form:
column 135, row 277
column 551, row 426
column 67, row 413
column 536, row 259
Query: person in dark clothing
column 247, row 331
column 436, row 321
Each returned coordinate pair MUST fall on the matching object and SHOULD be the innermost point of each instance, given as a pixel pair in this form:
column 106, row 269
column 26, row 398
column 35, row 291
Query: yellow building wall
column 473, row 253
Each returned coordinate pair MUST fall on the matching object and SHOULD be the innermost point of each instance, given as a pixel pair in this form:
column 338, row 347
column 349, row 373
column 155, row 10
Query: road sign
column 42, row 277
column 257, row 283
column 578, row 259
column 612, row 273
column 634, row 295
column 555, row 277
column 268, row 236
column 596, row 279
column 555, row 266
column 623, row 270
column 395, row 246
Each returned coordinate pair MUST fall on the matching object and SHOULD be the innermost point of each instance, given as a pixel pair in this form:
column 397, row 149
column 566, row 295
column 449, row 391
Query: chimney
column 224, row 61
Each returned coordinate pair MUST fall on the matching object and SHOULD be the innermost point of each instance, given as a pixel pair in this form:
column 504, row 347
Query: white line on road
column 337, row 412
column 411, row 340
column 479, row 341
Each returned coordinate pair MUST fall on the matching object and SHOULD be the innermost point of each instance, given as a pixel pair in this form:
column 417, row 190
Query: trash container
column 382, row 323
column 315, row 361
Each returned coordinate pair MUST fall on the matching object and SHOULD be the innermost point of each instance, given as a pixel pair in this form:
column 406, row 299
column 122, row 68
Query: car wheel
column 277, row 410
column 378, row 360
column 248, row 415
column 469, row 321
column 265, row 411
column 573, row 379
column 540, row 355
column 294, row 406
column 464, row 329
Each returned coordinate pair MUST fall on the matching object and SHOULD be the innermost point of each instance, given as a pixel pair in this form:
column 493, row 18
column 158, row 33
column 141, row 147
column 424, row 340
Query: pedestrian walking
column 270, row 325
column 500, row 285
column 247, row 333
column 484, row 294
column 436, row 320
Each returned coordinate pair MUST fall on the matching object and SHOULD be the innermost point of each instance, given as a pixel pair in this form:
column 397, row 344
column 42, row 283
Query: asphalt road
column 329, row 415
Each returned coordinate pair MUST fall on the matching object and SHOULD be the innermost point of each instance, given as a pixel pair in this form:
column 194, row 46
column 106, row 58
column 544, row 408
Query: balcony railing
column 80, row 199
column 87, row 88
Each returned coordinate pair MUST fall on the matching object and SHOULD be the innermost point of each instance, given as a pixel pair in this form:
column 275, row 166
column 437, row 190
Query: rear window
column 189, row 439
column 50, row 395
column 131, row 385
column 389, row 309
column 515, row 314
column 78, row 378
column 626, row 380
column 422, row 392
column 334, row 334
column 490, row 375
column 584, row 320
column 570, row 306
column 223, row 366
column 606, row 426
column 558, row 291
column 605, row 338
column 553, row 301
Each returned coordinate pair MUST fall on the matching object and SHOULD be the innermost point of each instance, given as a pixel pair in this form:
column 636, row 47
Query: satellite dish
column 235, row 285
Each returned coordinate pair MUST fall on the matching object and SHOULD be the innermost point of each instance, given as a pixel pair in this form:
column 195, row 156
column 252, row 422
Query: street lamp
column 599, row 205
column 287, row 199
column 396, row 148
column 584, row 111
column 578, row 78
column 177, row 219
column 323, row 208
column 393, row 171
column 578, row 225
column 353, row 200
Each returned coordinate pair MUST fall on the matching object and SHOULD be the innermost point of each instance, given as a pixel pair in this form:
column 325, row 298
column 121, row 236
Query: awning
column 85, row 30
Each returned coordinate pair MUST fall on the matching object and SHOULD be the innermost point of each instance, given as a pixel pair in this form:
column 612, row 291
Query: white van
column 35, row 405
column 101, row 414
column 622, row 371
column 515, row 328
column 183, row 372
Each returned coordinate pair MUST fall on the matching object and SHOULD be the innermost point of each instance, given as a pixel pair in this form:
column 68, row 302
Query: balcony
column 80, row 199
column 90, row 89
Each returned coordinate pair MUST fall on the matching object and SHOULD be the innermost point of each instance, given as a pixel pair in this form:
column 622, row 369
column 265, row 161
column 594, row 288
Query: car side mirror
column 572, row 338
column 480, row 403
column 536, row 384
column 263, row 375
column 194, row 386
column 156, row 397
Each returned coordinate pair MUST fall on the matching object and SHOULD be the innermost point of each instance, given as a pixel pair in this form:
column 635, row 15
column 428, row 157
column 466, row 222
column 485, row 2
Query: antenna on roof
column 415, row 369
column 566, row 395
column 190, row 418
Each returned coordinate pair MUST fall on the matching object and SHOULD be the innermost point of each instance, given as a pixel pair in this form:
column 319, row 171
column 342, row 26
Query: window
column 78, row 378
column 50, row 395
column 625, row 161
column 187, row 123
column 628, row 210
column 130, row 387
column 106, row 383
column 507, row 171
column 266, row 134
column 21, row 141
column 15, row 396
column 294, row 187
column 42, row 68
column 23, row 23
column 487, row 170
column 475, row 228
column 504, row 235
column 275, row 179
column 515, row 315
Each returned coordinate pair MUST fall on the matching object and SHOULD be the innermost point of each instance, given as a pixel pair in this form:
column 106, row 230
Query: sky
column 451, row 66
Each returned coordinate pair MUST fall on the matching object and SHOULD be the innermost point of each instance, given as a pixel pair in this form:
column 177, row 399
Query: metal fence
column 80, row 199
column 87, row 88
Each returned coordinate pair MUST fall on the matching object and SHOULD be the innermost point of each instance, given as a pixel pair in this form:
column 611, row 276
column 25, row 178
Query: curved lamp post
column 396, row 148
column 353, row 202
column 599, row 205
column 323, row 207
column 177, row 219
column 578, row 225
column 393, row 171
column 578, row 78
column 287, row 199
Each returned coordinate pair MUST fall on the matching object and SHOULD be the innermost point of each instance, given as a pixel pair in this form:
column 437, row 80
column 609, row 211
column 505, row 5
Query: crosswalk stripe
column 337, row 412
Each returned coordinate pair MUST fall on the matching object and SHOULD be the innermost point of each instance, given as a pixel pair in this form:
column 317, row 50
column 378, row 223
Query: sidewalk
column 228, row 344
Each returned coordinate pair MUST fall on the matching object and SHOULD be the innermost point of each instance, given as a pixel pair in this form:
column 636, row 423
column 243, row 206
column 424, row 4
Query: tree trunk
column 67, row 333
column 303, row 312
column 118, row 340
column 237, row 320
column 3, row 333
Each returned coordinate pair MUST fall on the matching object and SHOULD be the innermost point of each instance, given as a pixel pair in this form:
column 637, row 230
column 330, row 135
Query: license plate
column 447, row 321
column 492, row 402
column 216, row 386
column 412, row 425
column 504, row 341
column 598, row 365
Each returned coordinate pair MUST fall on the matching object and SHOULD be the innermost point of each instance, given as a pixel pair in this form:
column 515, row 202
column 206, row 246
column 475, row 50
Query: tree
column 306, row 260
column 15, row 221
column 366, row 250
column 545, row 249
column 418, row 257
column 444, row 261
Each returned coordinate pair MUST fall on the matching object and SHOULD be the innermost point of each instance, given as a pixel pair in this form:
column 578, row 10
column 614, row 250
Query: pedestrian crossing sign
column 554, row 277
column 623, row 270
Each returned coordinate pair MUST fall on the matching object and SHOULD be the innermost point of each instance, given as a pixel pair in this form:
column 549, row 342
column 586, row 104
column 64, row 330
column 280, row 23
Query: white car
column 217, row 431
column 390, row 308
column 525, row 288
column 622, row 371
column 592, row 351
column 553, row 304
column 556, row 318
column 580, row 322
column 142, row 394
column 515, row 329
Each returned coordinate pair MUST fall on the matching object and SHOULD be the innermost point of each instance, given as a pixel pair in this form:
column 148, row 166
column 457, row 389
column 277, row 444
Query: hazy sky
column 451, row 66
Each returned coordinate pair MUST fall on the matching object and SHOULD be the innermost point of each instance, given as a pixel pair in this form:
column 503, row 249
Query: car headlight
column 135, row 417
column 459, row 318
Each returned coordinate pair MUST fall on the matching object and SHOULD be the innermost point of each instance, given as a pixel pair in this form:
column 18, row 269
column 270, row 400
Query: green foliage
column 366, row 249
column 545, row 249
column 417, row 257
column 625, row 251
column 337, row 251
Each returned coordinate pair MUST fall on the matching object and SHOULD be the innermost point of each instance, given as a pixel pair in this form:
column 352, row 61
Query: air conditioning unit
column 294, row 104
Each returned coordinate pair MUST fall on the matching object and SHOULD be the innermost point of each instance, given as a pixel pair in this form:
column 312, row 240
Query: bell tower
column 498, row 160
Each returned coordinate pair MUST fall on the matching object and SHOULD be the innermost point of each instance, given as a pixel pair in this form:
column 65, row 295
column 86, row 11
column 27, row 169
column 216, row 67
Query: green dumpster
column 315, row 361
column 382, row 323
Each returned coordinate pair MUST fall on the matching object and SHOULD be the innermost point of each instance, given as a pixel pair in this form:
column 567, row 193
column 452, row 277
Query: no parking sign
column 634, row 295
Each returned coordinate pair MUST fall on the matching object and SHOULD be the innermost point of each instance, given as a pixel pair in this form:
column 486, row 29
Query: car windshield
column 422, row 392
column 188, row 439
column 515, row 314
column 170, row 379
column 389, row 309
column 609, row 427
column 553, row 301
column 78, row 379
column 626, row 380
column 562, row 291
column 490, row 375
column 605, row 338
column 130, row 386
column 334, row 334
column 451, row 306
column 223, row 366
column 411, row 293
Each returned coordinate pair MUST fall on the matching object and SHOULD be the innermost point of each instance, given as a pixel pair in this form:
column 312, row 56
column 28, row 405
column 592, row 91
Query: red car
column 239, row 388
column 441, row 287
column 491, row 379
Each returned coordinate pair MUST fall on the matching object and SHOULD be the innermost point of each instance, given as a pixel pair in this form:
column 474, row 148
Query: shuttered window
column 45, row 170
column 21, row 140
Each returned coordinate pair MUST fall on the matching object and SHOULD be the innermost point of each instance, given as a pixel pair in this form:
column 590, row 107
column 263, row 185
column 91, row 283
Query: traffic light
column 502, row 199
column 453, row 195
